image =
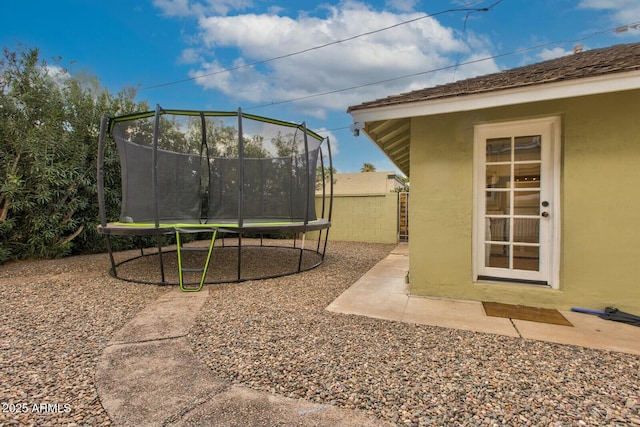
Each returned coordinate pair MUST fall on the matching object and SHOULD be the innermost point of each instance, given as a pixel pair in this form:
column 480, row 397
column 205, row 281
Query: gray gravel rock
column 56, row 318
column 276, row 336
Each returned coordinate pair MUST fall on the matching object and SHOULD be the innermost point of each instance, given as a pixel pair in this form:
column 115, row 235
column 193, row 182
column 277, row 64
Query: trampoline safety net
column 203, row 167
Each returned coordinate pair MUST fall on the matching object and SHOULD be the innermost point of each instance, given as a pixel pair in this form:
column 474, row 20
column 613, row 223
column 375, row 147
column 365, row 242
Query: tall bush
column 49, row 126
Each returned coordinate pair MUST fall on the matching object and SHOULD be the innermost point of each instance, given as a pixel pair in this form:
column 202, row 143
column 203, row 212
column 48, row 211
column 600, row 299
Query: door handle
column 545, row 214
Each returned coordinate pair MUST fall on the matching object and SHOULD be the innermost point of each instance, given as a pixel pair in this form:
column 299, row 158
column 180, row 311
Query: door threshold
column 515, row 281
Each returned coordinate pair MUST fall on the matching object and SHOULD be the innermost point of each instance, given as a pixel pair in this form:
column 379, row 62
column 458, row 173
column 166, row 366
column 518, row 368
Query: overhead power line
column 288, row 55
column 634, row 25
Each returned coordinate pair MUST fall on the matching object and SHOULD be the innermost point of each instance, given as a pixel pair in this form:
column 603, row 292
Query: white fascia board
column 540, row 92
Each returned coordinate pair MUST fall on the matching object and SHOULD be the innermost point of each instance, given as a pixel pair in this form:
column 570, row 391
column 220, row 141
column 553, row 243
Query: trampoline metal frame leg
column 160, row 259
column 304, row 233
column 114, row 272
column 239, row 256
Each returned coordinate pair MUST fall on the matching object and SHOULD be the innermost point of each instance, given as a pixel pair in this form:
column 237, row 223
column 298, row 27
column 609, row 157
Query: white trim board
column 615, row 82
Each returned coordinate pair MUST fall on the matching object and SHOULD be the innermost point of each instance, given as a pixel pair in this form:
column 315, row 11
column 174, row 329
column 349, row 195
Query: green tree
column 49, row 126
column 254, row 147
column 405, row 188
column 368, row 167
column 286, row 145
column 324, row 175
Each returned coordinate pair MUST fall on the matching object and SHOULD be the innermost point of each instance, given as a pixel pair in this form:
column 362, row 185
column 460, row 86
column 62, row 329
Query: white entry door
column 517, row 208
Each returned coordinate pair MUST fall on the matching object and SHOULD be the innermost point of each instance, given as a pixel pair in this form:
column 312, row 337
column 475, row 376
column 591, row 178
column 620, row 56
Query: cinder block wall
column 363, row 217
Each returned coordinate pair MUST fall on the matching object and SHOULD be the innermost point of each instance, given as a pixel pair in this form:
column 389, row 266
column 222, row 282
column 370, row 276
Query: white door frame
column 550, row 129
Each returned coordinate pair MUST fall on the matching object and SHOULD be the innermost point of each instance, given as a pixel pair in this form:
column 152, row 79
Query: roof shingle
column 590, row 63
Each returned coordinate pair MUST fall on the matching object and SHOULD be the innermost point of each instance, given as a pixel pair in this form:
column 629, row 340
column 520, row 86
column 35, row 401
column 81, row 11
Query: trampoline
column 236, row 178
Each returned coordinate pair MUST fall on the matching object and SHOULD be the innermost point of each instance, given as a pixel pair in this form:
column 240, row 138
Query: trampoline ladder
column 182, row 269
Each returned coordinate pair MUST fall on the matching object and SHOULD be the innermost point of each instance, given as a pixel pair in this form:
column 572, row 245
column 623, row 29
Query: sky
column 305, row 60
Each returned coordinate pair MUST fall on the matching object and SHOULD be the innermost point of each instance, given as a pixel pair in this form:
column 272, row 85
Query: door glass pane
column 497, row 256
column 527, row 148
column 526, row 203
column 499, row 176
column 498, row 229
column 498, row 202
column 526, row 230
column 498, row 150
column 526, row 258
column 527, row 175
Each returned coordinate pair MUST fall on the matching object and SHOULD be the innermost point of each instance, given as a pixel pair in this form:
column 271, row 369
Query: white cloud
column 621, row 11
column 174, row 7
column 402, row 5
column 183, row 8
column 556, row 52
column 335, row 146
column 58, row 74
column 189, row 56
column 413, row 48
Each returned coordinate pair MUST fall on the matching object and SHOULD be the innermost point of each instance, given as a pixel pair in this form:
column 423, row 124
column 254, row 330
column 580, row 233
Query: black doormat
column 523, row 312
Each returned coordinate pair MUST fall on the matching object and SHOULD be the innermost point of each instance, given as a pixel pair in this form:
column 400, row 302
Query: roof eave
column 400, row 160
column 613, row 82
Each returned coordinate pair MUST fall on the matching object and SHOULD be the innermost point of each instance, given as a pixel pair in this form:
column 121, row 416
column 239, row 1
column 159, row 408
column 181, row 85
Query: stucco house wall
column 600, row 204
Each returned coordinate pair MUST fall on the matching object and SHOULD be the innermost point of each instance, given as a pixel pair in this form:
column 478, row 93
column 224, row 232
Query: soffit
column 392, row 137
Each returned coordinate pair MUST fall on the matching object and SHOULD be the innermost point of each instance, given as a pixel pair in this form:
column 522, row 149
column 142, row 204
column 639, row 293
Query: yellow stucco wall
column 600, row 197
column 363, row 217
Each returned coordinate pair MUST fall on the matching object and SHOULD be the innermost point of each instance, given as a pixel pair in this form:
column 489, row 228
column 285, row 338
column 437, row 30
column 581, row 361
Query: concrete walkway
column 382, row 293
column 148, row 376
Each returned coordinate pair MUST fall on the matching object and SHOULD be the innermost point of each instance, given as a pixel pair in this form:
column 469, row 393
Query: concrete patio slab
column 455, row 314
column 380, row 305
column 382, row 293
column 587, row 331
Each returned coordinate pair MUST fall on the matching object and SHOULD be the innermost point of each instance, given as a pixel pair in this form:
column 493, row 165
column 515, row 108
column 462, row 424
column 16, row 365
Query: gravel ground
column 276, row 336
column 56, row 317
